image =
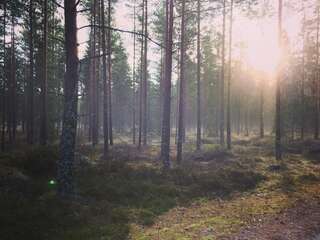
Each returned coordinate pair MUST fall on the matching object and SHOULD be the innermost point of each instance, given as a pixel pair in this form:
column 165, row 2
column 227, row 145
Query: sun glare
column 263, row 56
column 262, row 51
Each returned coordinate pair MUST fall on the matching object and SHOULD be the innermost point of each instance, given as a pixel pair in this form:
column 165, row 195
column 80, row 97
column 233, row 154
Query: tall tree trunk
column 182, row 86
column 161, row 88
column 43, row 112
column 218, row 98
column 165, row 6
column 30, row 114
column 303, row 83
column 3, row 105
column 165, row 136
column 90, row 91
column 12, row 87
column 95, row 131
column 110, row 73
column 145, row 77
column 222, row 94
column 141, row 91
column 198, row 77
column 134, row 78
column 69, row 124
column 278, row 90
column 229, row 80
column 317, row 79
column 105, row 85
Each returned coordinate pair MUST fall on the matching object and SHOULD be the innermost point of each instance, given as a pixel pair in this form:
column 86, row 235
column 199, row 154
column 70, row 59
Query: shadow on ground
column 108, row 199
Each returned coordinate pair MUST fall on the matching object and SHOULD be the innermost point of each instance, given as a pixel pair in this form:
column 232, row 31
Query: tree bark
column 182, row 86
column 165, row 136
column 134, row 78
column 303, row 83
column 3, row 125
column 145, row 77
column 222, row 94
column 109, row 63
column 105, row 86
column 12, row 87
column 278, row 90
column 229, row 80
column 317, row 79
column 141, row 91
column 30, row 114
column 43, row 112
column 198, row 77
column 94, row 126
column 69, row 124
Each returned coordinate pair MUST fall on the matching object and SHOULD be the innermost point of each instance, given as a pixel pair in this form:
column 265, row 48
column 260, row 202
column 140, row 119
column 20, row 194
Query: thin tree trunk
column 69, row 124
column 218, row 98
column 278, row 91
column 222, row 140
column 30, row 117
column 134, row 78
column 229, row 80
column 198, row 78
column 3, row 126
column 94, row 80
column 182, row 86
column 12, row 120
column 261, row 109
column 317, row 79
column 43, row 112
column 145, row 77
column 110, row 73
column 303, row 83
column 165, row 136
column 141, row 79
column 105, row 86
column 90, row 91
column 161, row 89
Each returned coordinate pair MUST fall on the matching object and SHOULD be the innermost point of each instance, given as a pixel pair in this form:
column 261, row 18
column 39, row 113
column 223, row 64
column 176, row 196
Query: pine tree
column 69, row 121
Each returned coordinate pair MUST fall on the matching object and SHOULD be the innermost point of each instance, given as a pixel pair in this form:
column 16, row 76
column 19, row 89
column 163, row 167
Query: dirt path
column 302, row 222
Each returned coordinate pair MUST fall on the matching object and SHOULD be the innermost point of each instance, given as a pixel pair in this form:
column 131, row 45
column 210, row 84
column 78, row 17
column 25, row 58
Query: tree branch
column 58, row 4
column 123, row 31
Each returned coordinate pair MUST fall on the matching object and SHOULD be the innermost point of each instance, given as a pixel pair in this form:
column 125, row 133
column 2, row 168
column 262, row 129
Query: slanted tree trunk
column 165, row 136
column 229, row 80
column 69, row 121
column 278, row 90
column 181, row 86
column 105, row 85
column 222, row 140
column 43, row 111
column 198, row 77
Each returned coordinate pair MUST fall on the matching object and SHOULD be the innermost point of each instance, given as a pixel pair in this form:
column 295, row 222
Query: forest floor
column 215, row 194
